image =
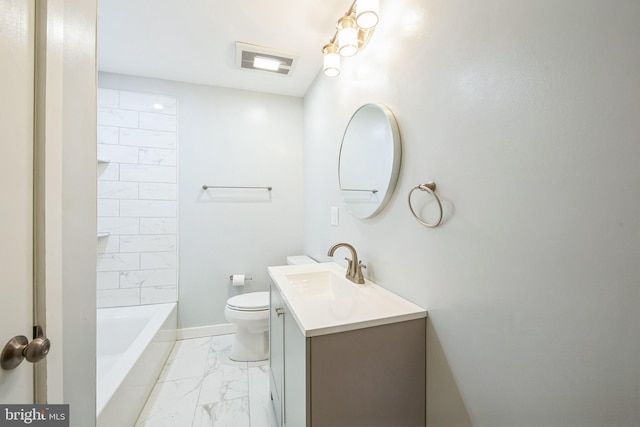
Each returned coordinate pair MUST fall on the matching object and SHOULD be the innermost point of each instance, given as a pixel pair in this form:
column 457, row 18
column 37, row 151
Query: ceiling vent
column 260, row 58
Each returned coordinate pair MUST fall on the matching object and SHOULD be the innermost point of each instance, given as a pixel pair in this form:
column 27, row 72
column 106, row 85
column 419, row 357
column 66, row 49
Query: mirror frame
column 395, row 164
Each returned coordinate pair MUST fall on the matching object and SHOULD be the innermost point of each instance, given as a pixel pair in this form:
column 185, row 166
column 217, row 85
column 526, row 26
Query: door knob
column 19, row 348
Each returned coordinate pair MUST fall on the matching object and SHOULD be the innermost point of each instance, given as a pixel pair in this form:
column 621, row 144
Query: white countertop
column 342, row 305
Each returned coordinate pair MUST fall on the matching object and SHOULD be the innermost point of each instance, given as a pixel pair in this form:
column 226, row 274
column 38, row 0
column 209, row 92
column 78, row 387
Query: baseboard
column 206, row 331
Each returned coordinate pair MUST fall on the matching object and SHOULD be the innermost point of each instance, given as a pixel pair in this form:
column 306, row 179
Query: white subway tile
column 108, row 207
column 108, row 280
column 158, row 156
column 158, row 260
column 118, row 153
column 118, row 262
column 148, row 138
column 158, row 226
column 148, row 102
column 144, row 173
column 108, row 135
column 116, row 226
column 148, row 243
column 118, row 297
column 116, row 117
column 108, row 98
column 108, row 244
column 117, row 190
column 148, row 208
column 137, row 262
column 154, row 121
column 140, row 278
column 158, row 294
column 158, row 191
column 108, row 171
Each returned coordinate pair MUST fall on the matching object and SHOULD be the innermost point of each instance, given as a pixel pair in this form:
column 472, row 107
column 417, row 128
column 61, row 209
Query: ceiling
column 195, row 40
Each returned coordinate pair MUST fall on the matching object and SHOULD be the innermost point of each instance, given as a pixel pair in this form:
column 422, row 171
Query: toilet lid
column 252, row 301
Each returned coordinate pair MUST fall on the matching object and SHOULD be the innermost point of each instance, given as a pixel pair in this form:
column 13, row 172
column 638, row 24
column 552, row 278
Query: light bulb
column 347, row 36
column 266, row 63
column 331, row 66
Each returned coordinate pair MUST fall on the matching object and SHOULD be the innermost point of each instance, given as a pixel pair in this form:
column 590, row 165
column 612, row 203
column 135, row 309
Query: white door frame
column 48, row 195
column 78, row 208
column 66, row 162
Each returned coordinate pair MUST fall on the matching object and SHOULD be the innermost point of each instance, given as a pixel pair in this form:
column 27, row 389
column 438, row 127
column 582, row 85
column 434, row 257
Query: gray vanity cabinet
column 370, row 377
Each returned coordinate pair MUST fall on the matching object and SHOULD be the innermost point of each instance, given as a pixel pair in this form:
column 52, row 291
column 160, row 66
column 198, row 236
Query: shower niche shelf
column 104, row 234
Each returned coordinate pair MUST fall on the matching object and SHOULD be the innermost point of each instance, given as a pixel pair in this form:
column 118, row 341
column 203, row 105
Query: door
column 17, row 34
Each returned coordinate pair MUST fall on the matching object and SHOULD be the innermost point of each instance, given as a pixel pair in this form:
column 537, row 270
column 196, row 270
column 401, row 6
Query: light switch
column 335, row 212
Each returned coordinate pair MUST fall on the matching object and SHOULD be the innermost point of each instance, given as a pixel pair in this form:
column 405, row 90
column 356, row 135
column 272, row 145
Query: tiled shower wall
column 137, row 198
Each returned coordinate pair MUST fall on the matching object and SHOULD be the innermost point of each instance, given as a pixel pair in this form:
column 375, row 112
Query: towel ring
column 429, row 187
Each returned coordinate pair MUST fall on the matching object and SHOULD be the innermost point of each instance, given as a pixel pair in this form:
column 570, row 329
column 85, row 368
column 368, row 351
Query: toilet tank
column 299, row 259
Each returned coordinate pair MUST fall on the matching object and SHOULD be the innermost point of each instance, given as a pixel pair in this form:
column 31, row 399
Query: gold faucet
column 354, row 269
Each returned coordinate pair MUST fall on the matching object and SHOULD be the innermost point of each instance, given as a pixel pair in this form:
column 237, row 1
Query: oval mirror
column 369, row 161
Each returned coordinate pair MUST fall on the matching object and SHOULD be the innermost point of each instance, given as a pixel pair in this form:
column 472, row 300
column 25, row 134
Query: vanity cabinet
column 276, row 352
column 369, row 377
column 288, row 365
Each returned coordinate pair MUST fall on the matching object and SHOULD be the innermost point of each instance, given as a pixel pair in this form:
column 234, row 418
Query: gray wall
column 526, row 116
column 237, row 138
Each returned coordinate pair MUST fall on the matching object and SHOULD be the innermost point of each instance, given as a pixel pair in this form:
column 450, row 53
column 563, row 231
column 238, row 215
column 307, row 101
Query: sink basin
column 323, row 301
column 322, row 286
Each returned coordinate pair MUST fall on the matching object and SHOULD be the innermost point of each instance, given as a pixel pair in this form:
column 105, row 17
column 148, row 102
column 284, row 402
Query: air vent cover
column 246, row 54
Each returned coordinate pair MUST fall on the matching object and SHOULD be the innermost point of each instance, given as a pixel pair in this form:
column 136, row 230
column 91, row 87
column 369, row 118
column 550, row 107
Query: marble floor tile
column 227, row 413
column 221, row 343
column 235, row 383
column 259, row 400
column 187, row 360
column 201, row 386
column 171, row 404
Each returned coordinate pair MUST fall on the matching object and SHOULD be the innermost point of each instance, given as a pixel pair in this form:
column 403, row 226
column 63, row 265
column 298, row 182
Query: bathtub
column 133, row 344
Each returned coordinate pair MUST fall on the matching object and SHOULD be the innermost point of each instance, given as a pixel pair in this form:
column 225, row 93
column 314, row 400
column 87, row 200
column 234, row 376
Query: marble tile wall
column 137, row 198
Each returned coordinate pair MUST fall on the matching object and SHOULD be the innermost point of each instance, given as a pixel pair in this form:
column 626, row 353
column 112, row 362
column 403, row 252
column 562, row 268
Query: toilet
column 250, row 314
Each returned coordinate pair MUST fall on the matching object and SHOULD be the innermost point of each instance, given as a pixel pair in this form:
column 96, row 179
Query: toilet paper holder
column 246, row 277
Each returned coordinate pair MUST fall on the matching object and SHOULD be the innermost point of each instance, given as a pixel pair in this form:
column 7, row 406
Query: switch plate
column 335, row 216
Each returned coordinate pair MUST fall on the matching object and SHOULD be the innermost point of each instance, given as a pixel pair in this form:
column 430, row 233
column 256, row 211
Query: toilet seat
column 252, row 301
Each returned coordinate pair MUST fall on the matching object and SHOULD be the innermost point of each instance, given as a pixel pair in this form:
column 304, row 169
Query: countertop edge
column 317, row 332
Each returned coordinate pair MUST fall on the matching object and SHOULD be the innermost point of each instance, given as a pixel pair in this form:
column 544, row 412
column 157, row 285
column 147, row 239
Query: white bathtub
column 133, row 344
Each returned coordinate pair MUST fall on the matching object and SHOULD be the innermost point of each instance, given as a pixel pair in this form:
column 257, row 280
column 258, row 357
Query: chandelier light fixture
column 353, row 32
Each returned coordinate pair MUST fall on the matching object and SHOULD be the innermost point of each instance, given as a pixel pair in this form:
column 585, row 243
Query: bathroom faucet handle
column 359, row 278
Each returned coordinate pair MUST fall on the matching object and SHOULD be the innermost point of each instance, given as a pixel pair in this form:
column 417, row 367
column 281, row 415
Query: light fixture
column 331, row 66
column 266, row 63
column 353, row 32
column 265, row 59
